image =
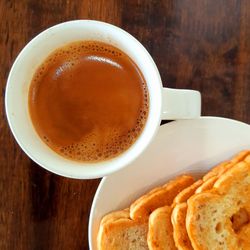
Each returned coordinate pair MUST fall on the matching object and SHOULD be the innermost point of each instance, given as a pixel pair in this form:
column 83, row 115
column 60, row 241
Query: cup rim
column 82, row 173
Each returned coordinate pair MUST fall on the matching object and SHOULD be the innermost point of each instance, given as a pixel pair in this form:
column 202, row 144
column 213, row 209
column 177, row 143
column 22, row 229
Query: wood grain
column 200, row 44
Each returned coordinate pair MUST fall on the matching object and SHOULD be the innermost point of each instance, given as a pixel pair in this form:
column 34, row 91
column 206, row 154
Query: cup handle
column 180, row 104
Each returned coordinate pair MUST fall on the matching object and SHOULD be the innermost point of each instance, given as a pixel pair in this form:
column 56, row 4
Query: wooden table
column 199, row 44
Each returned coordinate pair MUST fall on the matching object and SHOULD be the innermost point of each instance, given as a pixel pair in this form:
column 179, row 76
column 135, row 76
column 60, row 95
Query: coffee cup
column 164, row 103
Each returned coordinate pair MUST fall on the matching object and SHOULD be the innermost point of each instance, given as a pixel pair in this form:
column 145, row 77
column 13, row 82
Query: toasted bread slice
column 224, row 166
column 160, row 233
column 207, row 185
column 215, row 171
column 122, row 214
column 159, row 197
column 186, row 193
column 247, row 158
column 178, row 218
column 209, row 214
column 119, row 232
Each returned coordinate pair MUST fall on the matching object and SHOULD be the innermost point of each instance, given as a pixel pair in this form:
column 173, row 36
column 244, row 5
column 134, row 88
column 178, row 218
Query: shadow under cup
column 23, row 69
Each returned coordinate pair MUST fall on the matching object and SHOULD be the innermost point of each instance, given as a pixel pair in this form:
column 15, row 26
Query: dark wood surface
column 199, row 44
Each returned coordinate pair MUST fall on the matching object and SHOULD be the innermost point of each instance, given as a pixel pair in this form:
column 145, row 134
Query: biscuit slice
column 209, row 214
column 187, row 192
column 247, row 158
column 159, row 197
column 224, row 166
column 178, row 216
column 207, row 185
column 119, row 232
column 178, row 219
column 116, row 215
column 160, row 232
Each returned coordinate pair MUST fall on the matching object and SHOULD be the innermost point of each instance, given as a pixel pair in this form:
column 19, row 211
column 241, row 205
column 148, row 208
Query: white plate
column 187, row 146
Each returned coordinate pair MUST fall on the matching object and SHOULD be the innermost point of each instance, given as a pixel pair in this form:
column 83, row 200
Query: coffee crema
column 88, row 101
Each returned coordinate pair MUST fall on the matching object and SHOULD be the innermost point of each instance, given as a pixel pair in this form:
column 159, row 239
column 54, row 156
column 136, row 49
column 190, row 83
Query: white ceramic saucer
column 185, row 146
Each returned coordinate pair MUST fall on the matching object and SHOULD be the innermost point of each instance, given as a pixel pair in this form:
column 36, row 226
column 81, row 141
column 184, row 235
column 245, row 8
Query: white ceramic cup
column 164, row 103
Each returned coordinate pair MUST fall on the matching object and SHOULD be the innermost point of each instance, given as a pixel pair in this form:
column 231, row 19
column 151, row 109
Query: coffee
column 88, row 101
